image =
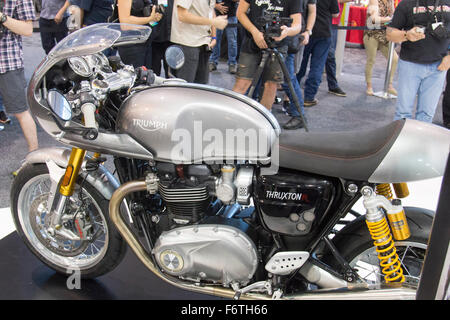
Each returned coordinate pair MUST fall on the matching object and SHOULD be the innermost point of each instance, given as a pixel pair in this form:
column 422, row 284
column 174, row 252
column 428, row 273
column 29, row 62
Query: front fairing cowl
column 91, row 40
column 86, row 41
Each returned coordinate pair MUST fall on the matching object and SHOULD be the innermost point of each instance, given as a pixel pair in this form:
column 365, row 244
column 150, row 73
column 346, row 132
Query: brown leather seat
column 350, row 155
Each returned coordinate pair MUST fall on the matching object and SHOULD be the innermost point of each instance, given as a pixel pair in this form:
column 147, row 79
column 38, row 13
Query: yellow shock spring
column 387, row 253
column 385, row 190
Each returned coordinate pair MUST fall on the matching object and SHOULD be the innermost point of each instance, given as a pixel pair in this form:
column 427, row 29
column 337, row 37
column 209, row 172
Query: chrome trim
column 420, row 152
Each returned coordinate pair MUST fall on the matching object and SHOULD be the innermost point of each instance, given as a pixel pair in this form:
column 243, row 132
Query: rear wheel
column 356, row 247
column 99, row 251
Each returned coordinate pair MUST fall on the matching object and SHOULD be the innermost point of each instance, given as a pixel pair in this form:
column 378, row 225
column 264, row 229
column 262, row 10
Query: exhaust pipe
column 343, row 292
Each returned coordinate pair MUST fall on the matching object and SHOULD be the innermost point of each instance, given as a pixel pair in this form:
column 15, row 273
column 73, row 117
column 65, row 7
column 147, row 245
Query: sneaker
column 338, row 91
column 294, row 123
column 277, row 100
column 2, row 127
column 232, row 68
column 212, row 66
column 4, row 119
column 310, row 103
column 286, row 107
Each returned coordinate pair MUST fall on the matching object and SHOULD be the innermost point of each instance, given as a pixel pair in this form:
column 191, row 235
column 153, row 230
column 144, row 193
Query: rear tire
column 355, row 245
column 25, row 202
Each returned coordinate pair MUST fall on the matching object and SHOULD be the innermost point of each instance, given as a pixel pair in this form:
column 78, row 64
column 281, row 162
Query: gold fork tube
column 72, row 170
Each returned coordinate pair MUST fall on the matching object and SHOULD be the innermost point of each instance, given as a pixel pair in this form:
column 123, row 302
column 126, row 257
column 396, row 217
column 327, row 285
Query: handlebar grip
column 88, row 110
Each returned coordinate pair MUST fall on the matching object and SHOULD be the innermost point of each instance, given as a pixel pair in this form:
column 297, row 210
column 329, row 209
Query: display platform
column 23, row 276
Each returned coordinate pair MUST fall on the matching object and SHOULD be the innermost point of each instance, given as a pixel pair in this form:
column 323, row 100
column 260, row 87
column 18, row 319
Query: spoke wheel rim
column 87, row 254
column 411, row 255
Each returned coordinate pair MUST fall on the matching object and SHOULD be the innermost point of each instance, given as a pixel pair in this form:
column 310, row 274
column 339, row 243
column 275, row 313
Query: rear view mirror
column 174, row 57
column 59, row 104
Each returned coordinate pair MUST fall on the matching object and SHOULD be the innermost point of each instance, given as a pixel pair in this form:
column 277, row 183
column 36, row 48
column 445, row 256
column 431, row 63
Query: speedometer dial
column 80, row 66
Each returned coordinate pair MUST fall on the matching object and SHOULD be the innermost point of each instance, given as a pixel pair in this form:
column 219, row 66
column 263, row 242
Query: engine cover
column 210, row 252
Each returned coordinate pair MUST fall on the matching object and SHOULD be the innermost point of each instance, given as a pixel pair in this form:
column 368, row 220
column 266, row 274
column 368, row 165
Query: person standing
column 161, row 38
column 293, row 62
column 317, row 49
column 52, row 23
column 380, row 12
column 330, row 65
column 16, row 20
column 132, row 12
column 422, row 27
column 254, row 43
column 194, row 30
column 226, row 7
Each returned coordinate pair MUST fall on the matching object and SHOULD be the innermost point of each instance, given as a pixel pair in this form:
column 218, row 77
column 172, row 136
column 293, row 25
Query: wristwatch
column 3, row 17
column 309, row 31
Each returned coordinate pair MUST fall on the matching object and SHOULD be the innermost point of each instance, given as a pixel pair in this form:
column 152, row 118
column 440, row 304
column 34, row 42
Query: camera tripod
column 273, row 53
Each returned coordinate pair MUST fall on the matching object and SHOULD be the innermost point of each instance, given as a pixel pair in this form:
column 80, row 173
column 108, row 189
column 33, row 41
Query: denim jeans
column 290, row 66
column 231, row 40
column 423, row 80
column 317, row 48
column 330, row 65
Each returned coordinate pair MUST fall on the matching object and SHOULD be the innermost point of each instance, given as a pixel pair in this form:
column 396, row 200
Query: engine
column 188, row 190
column 199, row 243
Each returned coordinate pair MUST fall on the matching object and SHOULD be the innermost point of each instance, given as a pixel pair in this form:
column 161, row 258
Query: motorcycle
column 207, row 191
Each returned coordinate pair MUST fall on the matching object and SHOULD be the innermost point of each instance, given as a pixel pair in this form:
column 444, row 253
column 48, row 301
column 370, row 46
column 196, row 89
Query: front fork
column 67, row 185
column 376, row 205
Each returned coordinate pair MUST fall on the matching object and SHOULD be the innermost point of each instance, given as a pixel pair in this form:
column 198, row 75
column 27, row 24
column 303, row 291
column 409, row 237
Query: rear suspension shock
column 401, row 190
column 381, row 234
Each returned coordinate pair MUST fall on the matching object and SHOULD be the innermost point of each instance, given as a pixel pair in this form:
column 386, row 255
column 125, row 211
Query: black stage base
column 23, row 276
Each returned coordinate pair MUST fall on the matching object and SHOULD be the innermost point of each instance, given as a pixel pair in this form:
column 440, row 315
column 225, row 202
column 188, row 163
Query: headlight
column 80, row 66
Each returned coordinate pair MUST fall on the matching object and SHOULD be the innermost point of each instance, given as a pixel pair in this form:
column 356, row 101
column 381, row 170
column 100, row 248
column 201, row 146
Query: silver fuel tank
column 189, row 123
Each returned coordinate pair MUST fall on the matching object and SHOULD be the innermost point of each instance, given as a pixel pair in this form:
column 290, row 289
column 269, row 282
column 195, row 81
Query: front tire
column 92, row 258
column 355, row 245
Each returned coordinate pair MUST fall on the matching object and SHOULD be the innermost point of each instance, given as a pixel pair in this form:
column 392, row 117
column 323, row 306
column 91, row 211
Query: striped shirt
column 11, row 52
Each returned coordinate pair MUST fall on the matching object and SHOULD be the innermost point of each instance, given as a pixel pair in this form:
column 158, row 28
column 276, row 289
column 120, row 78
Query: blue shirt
column 50, row 8
column 95, row 11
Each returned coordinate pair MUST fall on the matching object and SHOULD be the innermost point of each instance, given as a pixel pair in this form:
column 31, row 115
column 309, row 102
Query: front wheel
column 85, row 213
column 356, row 247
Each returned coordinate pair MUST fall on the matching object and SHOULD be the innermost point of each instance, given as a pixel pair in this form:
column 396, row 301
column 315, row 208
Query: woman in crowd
column 379, row 13
column 132, row 12
column 161, row 39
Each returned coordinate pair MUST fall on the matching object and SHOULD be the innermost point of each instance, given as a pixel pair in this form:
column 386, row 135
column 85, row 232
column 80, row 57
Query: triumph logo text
column 149, row 125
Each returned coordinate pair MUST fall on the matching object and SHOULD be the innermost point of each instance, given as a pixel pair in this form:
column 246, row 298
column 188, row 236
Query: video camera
column 270, row 23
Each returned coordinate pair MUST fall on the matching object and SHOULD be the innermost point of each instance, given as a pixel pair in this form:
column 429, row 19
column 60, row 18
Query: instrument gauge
column 80, row 66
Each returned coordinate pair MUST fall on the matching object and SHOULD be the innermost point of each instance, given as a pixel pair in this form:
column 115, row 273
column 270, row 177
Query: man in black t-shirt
column 249, row 12
column 317, row 49
column 423, row 28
